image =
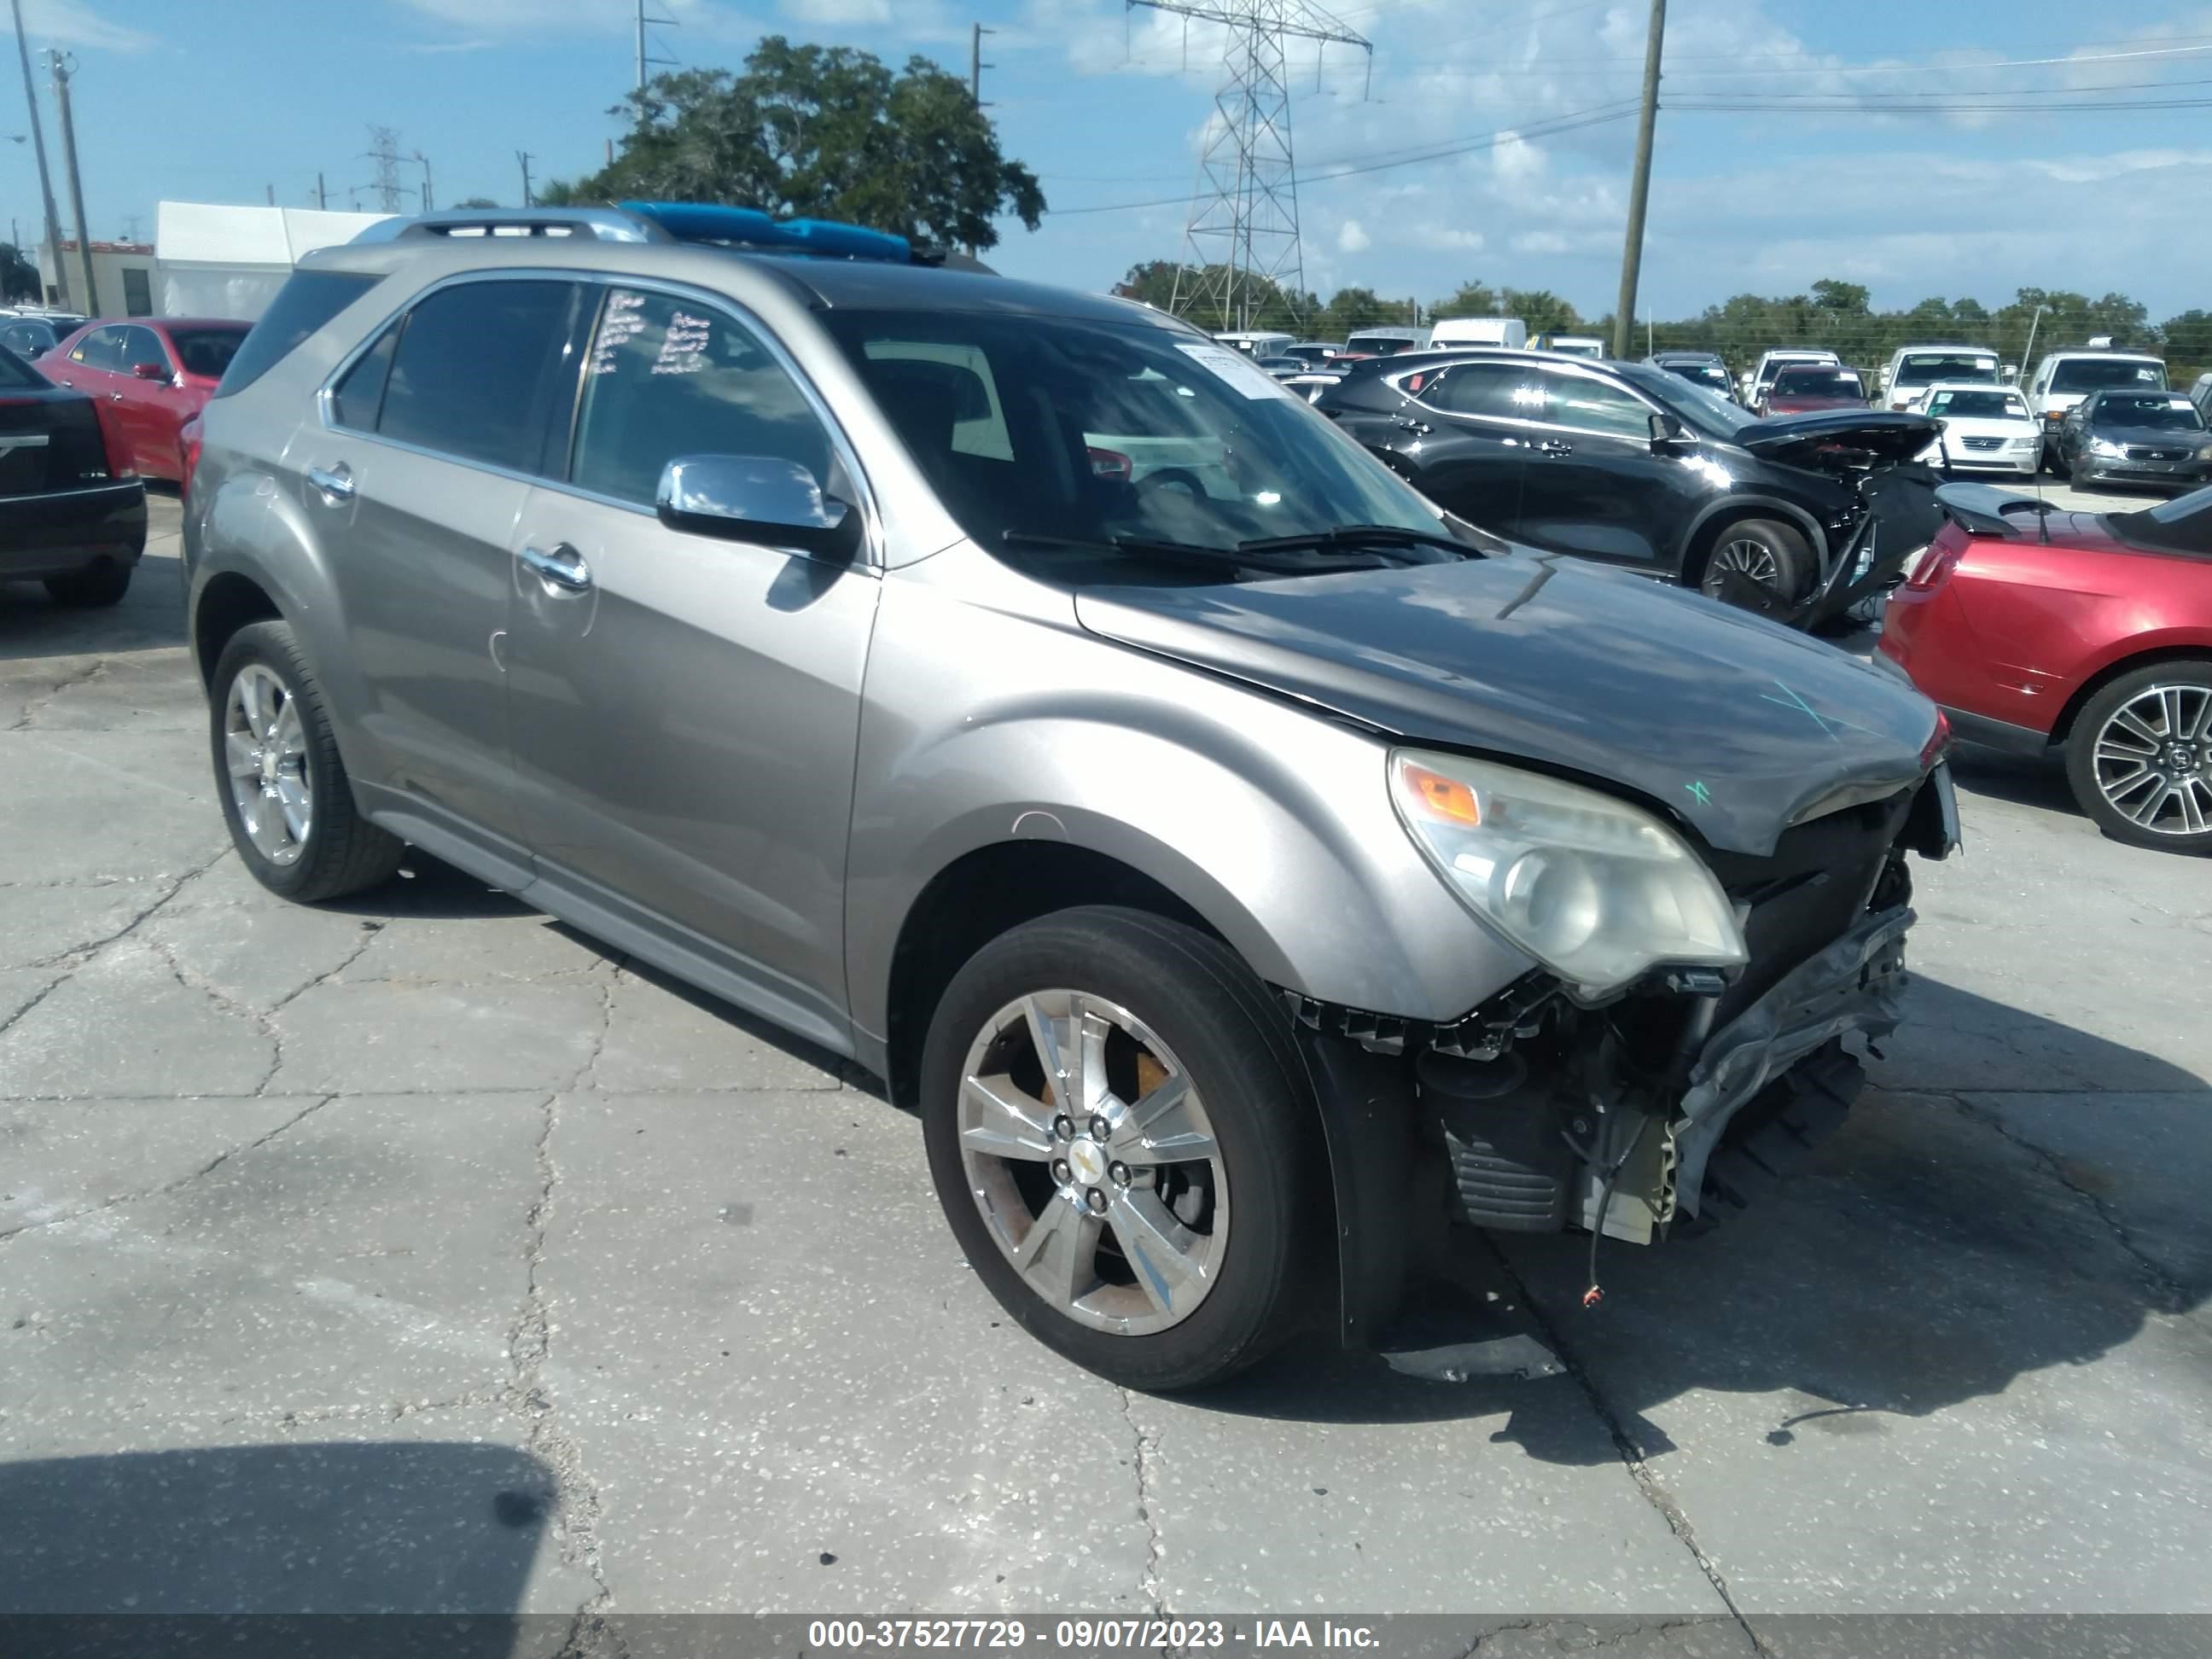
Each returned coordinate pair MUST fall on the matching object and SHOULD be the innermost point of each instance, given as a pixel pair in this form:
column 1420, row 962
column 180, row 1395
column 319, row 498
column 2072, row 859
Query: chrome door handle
column 335, row 481
column 563, row 567
column 115, row 397
column 1553, row 446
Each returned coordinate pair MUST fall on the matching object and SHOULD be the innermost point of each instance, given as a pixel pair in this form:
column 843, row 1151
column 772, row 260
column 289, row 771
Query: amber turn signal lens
column 1445, row 798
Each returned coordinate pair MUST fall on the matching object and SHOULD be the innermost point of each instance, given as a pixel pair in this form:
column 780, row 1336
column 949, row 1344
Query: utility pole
column 525, row 158
column 425, row 161
column 1639, row 186
column 644, row 55
column 62, row 73
column 322, row 196
column 975, row 68
column 271, row 190
column 39, row 144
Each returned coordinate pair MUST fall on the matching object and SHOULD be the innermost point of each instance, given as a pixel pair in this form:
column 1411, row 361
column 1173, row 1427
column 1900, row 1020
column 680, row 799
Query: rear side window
column 28, row 339
column 357, row 398
column 17, row 375
column 669, row 377
column 473, row 367
column 1480, row 389
column 308, row 300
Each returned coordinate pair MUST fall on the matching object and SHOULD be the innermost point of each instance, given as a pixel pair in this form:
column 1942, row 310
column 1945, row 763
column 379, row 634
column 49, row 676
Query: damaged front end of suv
column 1692, row 831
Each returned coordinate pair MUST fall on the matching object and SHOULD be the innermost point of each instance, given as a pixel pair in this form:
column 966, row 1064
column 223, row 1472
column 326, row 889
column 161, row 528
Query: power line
column 1598, row 115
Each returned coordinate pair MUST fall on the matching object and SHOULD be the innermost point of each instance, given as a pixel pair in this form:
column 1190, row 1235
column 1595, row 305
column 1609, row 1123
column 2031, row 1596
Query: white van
column 1905, row 380
column 1508, row 331
column 1571, row 345
column 1256, row 343
column 2064, row 379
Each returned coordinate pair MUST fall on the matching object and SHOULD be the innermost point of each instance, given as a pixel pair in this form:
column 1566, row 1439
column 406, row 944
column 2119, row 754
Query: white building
column 216, row 261
column 122, row 275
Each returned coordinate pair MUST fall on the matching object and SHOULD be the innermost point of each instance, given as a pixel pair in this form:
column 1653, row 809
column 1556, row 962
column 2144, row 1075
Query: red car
column 1805, row 388
column 2091, row 631
column 148, row 375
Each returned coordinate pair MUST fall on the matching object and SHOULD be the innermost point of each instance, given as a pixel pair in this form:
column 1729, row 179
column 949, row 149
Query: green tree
column 1840, row 298
column 1544, row 311
column 19, row 277
column 2188, row 341
column 1472, row 299
column 483, row 201
column 820, row 132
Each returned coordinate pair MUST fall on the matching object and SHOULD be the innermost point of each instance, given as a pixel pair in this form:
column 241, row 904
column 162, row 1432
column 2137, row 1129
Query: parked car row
column 149, row 376
column 69, row 517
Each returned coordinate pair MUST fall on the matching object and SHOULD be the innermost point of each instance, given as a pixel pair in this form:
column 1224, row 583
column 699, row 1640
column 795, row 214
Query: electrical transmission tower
column 384, row 151
column 1242, row 238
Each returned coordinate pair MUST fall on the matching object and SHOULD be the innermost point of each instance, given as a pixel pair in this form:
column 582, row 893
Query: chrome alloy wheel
column 1088, row 1151
column 2154, row 759
column 265, row 752
column 1742, row 557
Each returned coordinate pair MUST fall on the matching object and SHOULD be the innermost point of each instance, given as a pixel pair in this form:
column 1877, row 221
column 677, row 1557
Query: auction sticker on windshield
column 1237, row 369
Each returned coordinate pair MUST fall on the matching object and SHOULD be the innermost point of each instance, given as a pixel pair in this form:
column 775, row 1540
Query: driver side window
column 1593, row 405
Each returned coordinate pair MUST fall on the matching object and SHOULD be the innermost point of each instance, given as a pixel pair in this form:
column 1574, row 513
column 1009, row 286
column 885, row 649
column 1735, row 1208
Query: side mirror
column 150, row 371
column 755, row 498
column 1667, row 432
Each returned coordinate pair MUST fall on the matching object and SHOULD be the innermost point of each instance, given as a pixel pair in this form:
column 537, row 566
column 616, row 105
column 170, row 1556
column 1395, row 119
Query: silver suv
column 1242, row 865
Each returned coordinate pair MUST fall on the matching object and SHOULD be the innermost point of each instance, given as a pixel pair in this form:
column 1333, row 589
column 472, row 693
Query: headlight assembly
column 2105, row 447
column 1592, row 888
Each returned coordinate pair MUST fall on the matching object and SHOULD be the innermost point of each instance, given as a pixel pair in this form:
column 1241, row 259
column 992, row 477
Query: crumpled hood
column 1738, row 726
column 2152, row 437
column 1805, row 440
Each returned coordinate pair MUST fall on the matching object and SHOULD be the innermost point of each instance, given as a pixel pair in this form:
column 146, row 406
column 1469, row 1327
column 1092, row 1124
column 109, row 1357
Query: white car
column 1986, row 429
column 1763, row 372
column 2064, row 379
column 1910, row 372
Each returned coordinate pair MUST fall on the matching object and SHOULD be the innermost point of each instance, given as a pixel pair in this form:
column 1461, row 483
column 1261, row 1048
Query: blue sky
column 213, row 99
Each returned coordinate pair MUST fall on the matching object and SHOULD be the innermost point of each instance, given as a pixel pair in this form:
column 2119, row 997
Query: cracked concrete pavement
column 431, row 1256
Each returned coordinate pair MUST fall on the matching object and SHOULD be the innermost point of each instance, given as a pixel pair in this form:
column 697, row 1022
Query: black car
column 1700, row 368
column 65, row 519
column 1798, row 516
column 30, row 336
column 2131, row 437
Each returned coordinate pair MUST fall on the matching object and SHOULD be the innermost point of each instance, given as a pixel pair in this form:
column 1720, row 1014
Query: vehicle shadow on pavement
column 1954, row 1236
column 367, row 1527
column 150, row 616
column 2023, row 779
column 430, row 890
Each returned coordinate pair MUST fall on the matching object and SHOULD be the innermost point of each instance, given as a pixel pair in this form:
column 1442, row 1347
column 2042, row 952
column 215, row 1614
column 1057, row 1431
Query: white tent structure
column 216, row 261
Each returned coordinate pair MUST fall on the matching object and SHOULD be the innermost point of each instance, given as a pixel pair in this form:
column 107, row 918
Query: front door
column 1593, row 486
column 685, row 708
column 141, row 402
column 415, row 482
column 1463, row 436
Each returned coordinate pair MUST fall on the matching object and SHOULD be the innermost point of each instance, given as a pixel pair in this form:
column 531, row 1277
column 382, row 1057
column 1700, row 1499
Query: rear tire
column 340, row 852
column 1192, row 1005
column 2139, row 758
column 1772, row 555
column 97, row 585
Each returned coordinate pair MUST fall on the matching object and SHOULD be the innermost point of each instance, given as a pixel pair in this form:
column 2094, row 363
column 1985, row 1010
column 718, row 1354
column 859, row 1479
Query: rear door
column 1593, row 486
column 1466, row 434
column 414, row 478
column 686, row 708
column 142, row 405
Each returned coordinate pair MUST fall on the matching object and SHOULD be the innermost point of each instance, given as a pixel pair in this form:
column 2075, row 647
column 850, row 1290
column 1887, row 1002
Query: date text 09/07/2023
column 1085, row 1635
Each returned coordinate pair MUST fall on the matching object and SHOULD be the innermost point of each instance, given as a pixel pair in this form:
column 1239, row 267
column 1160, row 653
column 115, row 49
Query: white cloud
column 1351, row 238
column 73, row 23
column 1539, row 241
column 838, row 13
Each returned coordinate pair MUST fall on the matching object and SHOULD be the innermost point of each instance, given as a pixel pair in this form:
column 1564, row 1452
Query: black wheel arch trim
column 1748, row 507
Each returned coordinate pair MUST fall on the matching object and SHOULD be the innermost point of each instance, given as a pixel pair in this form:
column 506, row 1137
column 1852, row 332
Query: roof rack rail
column 669, row 222
column 587, row 224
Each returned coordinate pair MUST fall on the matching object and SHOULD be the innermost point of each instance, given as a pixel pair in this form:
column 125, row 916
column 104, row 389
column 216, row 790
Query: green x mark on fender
column 1704, row 796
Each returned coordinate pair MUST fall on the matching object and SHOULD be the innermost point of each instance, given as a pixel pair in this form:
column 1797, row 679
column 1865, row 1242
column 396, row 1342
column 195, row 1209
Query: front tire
column 1120, row 1133
column 1772, row 557
column 2140, row 758
column 96, row 586
column 284, row 790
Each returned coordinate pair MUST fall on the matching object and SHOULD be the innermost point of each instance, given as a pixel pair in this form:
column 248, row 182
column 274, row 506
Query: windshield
column 1926, row 367
column 2095, row 374
column 1818, row 383
column 1710, row 411
column 1980, row 405
column 2146, row 410
column 1086, row 431
column 2183, row 525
